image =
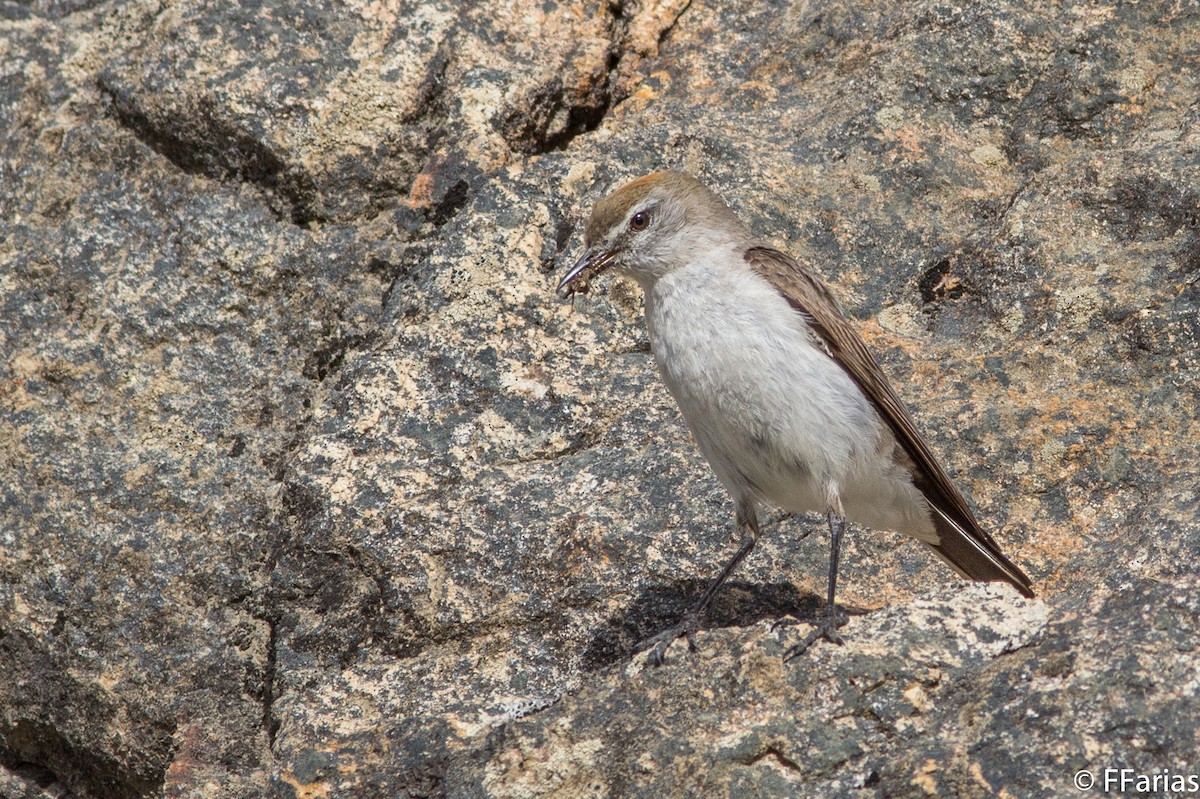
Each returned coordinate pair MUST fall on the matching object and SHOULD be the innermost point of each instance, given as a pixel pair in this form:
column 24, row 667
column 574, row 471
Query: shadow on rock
column 739, row 604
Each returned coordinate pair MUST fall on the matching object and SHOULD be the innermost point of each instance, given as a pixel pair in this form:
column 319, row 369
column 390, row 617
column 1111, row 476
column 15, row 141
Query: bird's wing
column 963, row 543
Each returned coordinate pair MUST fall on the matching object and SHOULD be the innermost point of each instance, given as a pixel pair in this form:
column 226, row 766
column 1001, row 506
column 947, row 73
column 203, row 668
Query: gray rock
column 310, row 487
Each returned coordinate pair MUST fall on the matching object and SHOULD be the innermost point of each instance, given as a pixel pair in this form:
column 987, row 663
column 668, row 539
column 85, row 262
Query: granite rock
column 311, row 487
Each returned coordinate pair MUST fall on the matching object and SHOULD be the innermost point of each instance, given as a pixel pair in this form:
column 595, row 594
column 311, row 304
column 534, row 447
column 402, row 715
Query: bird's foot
column 687, row 626
column 827, row 628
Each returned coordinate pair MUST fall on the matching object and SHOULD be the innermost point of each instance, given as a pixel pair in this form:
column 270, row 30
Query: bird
column 782, row 396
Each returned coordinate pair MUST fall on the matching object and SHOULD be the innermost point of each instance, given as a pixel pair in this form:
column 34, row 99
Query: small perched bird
column 783, row 397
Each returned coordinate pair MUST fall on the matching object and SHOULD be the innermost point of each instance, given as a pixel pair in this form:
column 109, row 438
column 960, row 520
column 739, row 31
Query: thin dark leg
column 827, row 627
column 748, row 527
column 837, row 526
column 747, row 524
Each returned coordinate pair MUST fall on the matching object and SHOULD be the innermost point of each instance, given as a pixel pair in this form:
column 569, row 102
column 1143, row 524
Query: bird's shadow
column 739, row 604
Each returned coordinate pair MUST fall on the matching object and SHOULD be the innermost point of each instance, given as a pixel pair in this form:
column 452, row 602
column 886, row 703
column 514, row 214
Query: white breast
column 774, row 415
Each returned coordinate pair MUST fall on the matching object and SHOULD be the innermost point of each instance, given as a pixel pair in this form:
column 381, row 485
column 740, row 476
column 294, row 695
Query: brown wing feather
column 964, row 544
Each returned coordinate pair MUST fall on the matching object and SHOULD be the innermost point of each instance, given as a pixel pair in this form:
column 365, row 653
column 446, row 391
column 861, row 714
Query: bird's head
column 649, row 227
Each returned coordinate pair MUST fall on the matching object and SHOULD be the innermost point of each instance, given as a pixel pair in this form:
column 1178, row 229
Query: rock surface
column 310, row 487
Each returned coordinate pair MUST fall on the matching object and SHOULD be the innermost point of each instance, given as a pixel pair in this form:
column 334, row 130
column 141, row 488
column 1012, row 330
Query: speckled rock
column 310, row 487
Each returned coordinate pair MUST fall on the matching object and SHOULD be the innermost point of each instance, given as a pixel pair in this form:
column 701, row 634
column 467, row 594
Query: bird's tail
column 975, row 556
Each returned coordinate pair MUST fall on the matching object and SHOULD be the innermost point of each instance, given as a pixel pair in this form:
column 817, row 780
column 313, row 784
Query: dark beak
column 579, row 277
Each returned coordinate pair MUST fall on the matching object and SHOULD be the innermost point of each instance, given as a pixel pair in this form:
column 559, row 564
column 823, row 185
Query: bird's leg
column 747, row 525
column 832, row 619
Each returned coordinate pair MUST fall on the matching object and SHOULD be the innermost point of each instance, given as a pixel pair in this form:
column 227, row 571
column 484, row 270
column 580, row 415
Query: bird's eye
column 639, row 221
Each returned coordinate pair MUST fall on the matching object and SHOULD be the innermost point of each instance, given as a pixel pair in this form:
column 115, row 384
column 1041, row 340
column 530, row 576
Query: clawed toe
column 687, row 627
column 826, row 628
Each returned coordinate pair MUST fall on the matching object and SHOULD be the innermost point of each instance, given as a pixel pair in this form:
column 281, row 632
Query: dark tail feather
column 975, row 558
